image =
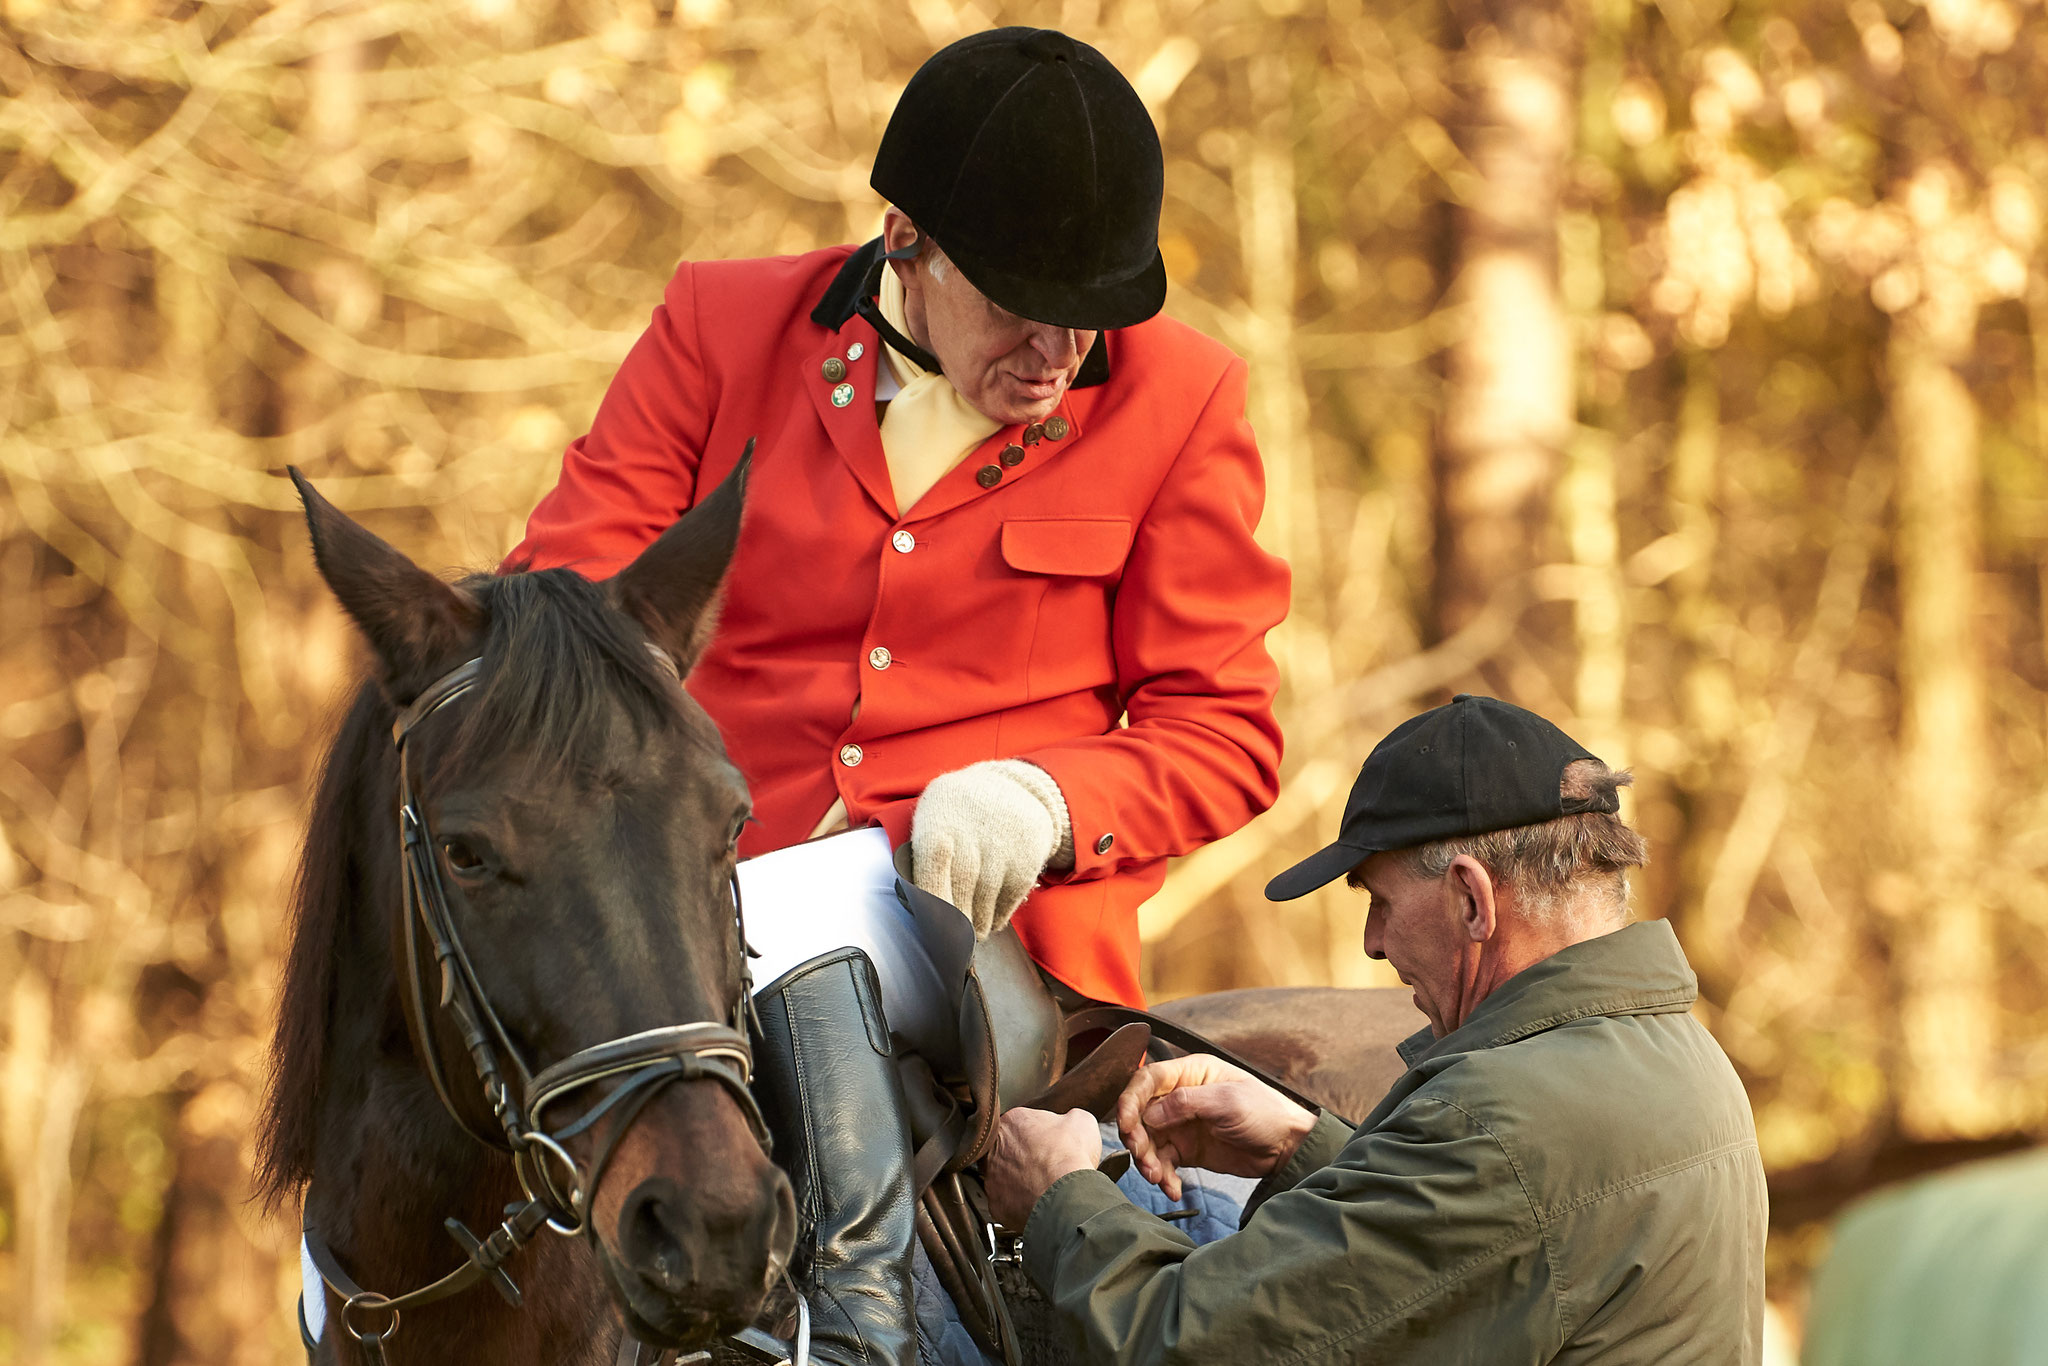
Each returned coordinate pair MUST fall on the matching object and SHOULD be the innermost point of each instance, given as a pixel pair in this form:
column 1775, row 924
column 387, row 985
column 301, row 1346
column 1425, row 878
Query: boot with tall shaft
column 827, row 1085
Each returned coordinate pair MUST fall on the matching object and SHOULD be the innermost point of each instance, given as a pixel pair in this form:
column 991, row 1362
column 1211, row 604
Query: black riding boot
column 828, row 1089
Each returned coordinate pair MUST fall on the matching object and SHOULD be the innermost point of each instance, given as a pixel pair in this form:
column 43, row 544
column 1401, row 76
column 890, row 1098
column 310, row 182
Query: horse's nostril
column 653, row 1238
column 685, row 1252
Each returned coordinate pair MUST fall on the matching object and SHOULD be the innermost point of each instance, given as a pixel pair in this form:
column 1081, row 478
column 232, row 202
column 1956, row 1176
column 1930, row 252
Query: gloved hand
column 981, row 835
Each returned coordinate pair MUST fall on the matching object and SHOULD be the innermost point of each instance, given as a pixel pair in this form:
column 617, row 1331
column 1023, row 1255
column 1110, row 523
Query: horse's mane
column 556, row 657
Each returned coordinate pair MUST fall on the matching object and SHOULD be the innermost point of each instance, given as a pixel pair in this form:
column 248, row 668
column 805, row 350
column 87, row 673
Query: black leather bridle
column 558, row 1188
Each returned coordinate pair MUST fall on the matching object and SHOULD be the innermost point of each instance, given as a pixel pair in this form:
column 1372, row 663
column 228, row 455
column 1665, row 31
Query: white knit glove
column 981, row 835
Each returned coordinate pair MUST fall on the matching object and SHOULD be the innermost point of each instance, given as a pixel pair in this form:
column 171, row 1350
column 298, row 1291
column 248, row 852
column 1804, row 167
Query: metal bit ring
column 570, row 1203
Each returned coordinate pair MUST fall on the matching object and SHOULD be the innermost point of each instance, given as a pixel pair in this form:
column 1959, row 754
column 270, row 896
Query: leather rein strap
column 558, row 1188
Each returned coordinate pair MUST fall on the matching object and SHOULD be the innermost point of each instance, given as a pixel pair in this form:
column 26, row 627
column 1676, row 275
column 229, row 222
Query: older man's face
column 1012, row 370
column 1413, row 923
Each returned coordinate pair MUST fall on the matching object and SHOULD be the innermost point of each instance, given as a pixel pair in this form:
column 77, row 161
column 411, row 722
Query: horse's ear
column 673, row 588
column 415, row 623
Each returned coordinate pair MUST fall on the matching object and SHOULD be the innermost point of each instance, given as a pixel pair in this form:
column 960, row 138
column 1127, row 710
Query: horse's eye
column 461, row 857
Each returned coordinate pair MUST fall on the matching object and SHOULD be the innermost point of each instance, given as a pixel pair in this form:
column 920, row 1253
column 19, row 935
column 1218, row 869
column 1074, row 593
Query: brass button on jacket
column 1013, row 456
column 1056, row 428
column 850, row 755
column 904, row 542
column 834, row 368
column 1102, row 845
column 880, row 657
column 1033, row 433
column 988, row 476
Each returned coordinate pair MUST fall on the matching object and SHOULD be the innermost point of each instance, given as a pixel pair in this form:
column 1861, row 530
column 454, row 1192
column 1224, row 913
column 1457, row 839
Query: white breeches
column 834, row 893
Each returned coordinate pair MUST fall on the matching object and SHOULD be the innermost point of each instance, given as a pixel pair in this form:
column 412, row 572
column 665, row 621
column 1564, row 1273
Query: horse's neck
column 381, row 1209
column 393, row 1166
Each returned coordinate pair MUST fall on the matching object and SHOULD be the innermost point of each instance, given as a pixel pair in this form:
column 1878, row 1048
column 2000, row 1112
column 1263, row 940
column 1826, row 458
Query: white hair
column 1564, row 870
column 929, row 251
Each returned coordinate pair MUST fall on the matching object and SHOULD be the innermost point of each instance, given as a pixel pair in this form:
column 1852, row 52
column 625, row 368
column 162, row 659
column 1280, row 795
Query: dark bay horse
column 562, row 922
column 1335, row 1045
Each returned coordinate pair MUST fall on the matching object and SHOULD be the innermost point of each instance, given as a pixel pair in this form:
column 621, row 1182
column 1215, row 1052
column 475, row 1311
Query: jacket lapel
column 846, row 407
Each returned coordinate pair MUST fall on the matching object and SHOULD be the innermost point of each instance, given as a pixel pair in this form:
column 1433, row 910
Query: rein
column 558, row 1189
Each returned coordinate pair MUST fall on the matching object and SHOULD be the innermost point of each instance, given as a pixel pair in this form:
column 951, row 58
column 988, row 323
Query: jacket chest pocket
column 1073, row 547
column 1079, row 560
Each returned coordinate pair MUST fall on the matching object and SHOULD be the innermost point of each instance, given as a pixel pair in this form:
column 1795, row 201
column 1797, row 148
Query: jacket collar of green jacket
column 1637, row 970
column 857, row 280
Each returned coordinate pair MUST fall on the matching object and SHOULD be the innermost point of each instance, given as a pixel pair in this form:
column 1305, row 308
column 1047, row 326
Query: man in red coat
column 998, row 589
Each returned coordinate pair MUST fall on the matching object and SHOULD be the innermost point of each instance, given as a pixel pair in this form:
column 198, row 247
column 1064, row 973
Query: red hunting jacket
column 1097, row 607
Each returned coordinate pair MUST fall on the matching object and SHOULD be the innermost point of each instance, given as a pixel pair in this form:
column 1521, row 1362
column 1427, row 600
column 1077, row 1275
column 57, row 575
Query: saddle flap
column 947, row 933
column 1024, row 1025
column 1094, row 1083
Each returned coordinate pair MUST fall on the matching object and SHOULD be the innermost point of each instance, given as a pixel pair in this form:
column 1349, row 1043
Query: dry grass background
column 1673, row 369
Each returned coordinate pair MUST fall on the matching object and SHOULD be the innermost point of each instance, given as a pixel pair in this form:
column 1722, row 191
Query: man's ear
column 416, row 625
column 673, row 588
column 899, row 232
column 1478, row 909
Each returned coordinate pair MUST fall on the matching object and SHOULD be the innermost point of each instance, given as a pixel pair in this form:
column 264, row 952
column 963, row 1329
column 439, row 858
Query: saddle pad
column 840, row 892
column 312, row 1297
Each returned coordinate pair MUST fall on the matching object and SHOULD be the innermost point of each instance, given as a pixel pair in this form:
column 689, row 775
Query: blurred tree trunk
column 48, row 1087
column 1588, row 508
column 1269, row 225
column 1508, row 394
column 157, row 1339
column 1947, row 1020
column 1599, row 601
column 212, row 1292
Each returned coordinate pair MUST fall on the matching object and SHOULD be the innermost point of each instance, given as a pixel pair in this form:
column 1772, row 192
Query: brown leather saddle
column 1015, row 1045
column 1025, row 1039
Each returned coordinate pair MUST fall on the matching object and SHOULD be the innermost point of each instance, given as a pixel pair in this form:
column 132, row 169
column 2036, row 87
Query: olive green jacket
column 1570, row 1176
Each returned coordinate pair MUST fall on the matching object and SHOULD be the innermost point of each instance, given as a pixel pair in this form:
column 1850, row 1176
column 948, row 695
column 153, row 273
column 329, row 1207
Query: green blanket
column 1953, row 1268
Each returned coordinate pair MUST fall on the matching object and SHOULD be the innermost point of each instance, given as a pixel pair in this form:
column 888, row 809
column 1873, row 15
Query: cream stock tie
column 928, row 427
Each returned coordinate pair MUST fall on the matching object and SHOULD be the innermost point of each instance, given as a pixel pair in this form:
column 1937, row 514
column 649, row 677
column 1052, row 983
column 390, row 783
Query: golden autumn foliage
column 1679, row 371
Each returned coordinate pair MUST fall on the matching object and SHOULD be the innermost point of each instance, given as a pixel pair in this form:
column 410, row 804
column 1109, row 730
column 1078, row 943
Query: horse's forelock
column 557, row 662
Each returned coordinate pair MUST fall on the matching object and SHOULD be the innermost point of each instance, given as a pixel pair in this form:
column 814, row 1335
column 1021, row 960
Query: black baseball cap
column 1474, row 766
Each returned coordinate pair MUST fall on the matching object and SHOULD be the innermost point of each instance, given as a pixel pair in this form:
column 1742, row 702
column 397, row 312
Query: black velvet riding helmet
column 1032, row 163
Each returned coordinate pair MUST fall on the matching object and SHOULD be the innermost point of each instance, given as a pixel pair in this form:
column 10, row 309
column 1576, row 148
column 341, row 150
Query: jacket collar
column 1637, row 970
column 856, row 283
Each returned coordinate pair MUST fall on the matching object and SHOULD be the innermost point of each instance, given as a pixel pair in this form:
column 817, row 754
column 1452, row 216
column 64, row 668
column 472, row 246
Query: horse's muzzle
column 692, row 1264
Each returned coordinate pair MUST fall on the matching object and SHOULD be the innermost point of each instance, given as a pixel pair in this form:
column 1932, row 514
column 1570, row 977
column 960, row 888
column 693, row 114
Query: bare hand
column 1033, row 1149
column 1199, row 1111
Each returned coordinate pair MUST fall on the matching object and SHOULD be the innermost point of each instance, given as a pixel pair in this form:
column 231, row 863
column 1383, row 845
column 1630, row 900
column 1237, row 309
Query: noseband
column 558, row 1188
